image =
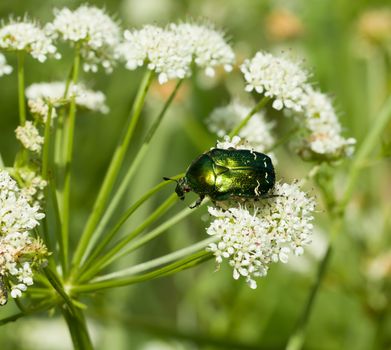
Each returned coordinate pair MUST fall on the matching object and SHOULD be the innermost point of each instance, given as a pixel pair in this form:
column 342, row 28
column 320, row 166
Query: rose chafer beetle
column 223, row 174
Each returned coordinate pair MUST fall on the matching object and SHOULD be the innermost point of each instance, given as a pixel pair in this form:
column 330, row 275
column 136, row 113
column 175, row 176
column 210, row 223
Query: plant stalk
column 78, row 329
column 119, row 193
column 69, row 140
column 262, row 103
column 112, row 254
column 111, row 234
column 21, row 94
column 172, row 268
column 46, row 145
column 112, row 171
column 163, row 260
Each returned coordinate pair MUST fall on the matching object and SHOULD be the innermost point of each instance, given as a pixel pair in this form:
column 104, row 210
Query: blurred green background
column 347, row 46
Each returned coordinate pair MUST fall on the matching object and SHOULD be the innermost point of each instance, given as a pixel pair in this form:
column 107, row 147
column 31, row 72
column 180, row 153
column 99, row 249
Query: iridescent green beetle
column 223, row 174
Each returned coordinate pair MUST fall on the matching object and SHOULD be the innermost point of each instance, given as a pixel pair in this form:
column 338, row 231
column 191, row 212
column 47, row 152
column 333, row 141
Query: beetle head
column 181, row 188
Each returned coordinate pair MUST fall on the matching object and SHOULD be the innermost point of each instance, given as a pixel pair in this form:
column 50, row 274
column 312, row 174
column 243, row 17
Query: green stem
column 119, row 193
column 58, row 231
column 69, row 80
column 156, row 232
column 163, row 260
column 78, row 329
column 172, row 268
column 112, row 171
column 46, row 304
column 59, row 156
column 73, row 315
column 57, row 285
column 108, row 238
column 369, row 143
column 46, row 144
column 283, row 139
column 296, row 341
column 68, row 161
column 2, row 166
column 262, row 103
column 21, row 97
column 111, row 255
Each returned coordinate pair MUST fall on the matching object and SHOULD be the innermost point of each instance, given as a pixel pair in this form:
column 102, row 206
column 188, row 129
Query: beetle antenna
column 169, row 179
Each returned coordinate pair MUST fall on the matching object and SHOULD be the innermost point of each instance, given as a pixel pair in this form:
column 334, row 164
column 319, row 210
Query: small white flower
column 276, row 77
column 4, row 67
column 29, row 136
column 16, row 292
column 257, row 132
column 54, row 93
column 324, row 130
column 236, row 142
column 253, row 236
column 91, row 28
column 29, row 37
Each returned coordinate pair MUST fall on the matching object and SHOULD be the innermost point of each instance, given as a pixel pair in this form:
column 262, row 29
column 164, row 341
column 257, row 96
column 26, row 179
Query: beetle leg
column 266, row 196
column 198, row 202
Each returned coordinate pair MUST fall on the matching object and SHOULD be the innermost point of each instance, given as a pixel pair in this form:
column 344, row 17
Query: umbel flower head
column 31, row 184
column 253, row 235
column 278, row 78
column 20, row 253
column 170, row 51
column 4, row 67
column 322, row 139
column 29, row 136
column 39, row 94
column 257, row 132
column 24, row 35
column 93, row 30
column 209, row 47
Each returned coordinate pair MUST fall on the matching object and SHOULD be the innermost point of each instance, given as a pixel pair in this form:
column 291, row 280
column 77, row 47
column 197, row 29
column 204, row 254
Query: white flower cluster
column 39, row 108
column 257, row 132
column 4, row 67
column 286, row 83
column 16, row 214
column 278, row 78
column 170, row 51
column 164, row 51
column 29, row 136
column 324, row 130
column 10, row 247
column 29, row 37
column 256, row 234
column 33, row 185
column 54, row 92
column 234, row 142
column 18, row 250
column 91, row 28
column 209, row 46
column 90, row 99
